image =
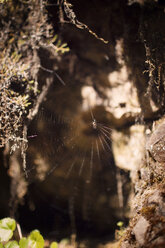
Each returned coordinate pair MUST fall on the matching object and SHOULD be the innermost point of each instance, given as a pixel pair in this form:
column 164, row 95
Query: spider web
column 69, row 156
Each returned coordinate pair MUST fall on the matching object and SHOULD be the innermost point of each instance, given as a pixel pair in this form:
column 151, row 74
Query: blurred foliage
column 7, row 228
column 8, row 232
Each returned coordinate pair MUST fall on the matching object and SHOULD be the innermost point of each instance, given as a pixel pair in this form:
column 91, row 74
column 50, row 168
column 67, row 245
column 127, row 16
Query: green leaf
column 23, row 243
column 5, row 234
column 35, row 240
column 54, row 245
column 8, row 223
column 31, row 82
column 54, row 39
column 64, row 241
column 58, row 43
column 120, row 223
column 1, row 245
column 7, row 226
column 12, row 244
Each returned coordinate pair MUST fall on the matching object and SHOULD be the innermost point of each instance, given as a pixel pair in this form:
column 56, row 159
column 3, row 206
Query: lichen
column 24, row 30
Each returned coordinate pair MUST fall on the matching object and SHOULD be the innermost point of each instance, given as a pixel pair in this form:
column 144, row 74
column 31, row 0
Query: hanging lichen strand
column 71, row 16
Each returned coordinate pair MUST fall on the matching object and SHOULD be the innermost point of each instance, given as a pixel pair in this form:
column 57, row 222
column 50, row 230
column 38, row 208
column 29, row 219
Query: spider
column 94, row 124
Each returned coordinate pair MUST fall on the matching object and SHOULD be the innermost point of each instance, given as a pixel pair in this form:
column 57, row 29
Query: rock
column 140, row 230
column 156, row 143
column 128, row 147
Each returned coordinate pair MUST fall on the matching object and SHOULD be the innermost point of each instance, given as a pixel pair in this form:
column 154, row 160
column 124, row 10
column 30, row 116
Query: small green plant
column 119, row 232
column 7, row 229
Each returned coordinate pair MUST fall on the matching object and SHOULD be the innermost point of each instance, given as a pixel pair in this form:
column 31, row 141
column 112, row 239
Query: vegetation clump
column 11, row 237
column 24, row 31
column 7, row 231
